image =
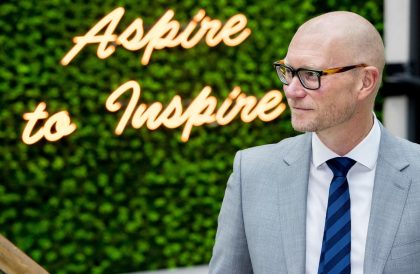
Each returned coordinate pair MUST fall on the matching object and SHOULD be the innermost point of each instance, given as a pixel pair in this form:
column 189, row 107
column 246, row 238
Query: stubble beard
column 324, row 119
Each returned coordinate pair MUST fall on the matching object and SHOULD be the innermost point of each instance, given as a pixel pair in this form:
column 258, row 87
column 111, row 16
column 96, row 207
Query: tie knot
column 340, row 165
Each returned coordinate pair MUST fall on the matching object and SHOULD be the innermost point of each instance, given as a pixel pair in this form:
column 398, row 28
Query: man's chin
column 301, row 127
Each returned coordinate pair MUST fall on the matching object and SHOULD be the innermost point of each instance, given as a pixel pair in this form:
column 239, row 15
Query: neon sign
column 164, row 34
column 202, row 109
column 55, row 127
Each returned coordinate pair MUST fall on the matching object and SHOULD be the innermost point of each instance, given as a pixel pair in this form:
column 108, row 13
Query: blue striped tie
column 336, row 243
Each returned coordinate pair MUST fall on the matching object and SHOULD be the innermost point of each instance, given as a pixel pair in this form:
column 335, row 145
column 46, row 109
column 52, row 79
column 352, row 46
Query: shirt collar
column 365, row 153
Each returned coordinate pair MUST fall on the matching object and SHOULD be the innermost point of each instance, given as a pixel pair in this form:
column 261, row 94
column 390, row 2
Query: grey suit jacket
column 262, row 222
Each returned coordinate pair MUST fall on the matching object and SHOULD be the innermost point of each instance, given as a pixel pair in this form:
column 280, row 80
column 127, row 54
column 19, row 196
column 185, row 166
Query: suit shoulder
column 280, row 148
column 410, row 150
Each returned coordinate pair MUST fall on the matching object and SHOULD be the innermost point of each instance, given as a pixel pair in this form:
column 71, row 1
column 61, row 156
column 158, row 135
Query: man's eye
column 310, row 75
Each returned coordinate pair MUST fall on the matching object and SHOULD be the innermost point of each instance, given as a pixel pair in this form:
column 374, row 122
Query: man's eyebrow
column 310, row 66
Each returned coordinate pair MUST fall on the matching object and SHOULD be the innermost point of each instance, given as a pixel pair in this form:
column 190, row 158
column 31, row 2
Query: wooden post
column 14, row 261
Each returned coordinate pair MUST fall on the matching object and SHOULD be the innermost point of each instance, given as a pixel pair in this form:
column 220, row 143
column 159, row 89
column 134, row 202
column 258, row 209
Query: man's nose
column 294, row 89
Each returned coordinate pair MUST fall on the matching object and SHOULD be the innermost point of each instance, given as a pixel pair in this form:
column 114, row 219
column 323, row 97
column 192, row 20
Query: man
column 345, row 196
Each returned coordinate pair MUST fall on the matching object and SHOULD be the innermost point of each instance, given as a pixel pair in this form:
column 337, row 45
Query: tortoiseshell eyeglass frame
column 319, row 73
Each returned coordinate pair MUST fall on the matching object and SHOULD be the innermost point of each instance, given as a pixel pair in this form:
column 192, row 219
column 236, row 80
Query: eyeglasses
column 309, row 78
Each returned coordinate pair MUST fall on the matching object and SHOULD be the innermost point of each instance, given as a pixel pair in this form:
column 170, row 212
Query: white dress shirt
column 360, row 177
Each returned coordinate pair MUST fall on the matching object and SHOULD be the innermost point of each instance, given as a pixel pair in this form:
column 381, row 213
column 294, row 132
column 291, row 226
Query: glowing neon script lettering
column 55, row 127
column 202, row 110
column 165, row 33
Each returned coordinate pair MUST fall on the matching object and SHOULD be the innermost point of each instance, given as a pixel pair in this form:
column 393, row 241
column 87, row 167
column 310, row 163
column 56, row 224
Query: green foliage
column 95, row 202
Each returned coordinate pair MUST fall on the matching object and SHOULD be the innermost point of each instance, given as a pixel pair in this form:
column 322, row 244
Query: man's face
column 334, row 104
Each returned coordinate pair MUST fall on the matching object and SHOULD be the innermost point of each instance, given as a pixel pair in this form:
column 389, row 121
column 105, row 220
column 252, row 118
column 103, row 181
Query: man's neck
column 342, row 139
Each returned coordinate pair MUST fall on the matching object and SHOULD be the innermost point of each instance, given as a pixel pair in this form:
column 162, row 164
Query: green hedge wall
column 95, row 202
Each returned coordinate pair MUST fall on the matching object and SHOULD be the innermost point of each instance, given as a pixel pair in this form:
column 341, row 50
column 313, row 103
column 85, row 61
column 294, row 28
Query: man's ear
column 368, row 82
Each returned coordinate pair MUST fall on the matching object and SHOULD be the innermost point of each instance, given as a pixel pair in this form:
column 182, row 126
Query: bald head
column 340, row 109
column 344, row 38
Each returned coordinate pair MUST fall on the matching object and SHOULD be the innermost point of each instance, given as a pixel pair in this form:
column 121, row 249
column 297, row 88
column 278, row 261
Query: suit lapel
column 388, row 200
column 292, row 192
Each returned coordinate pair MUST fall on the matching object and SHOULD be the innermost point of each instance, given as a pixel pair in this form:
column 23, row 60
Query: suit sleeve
column 230, row 252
